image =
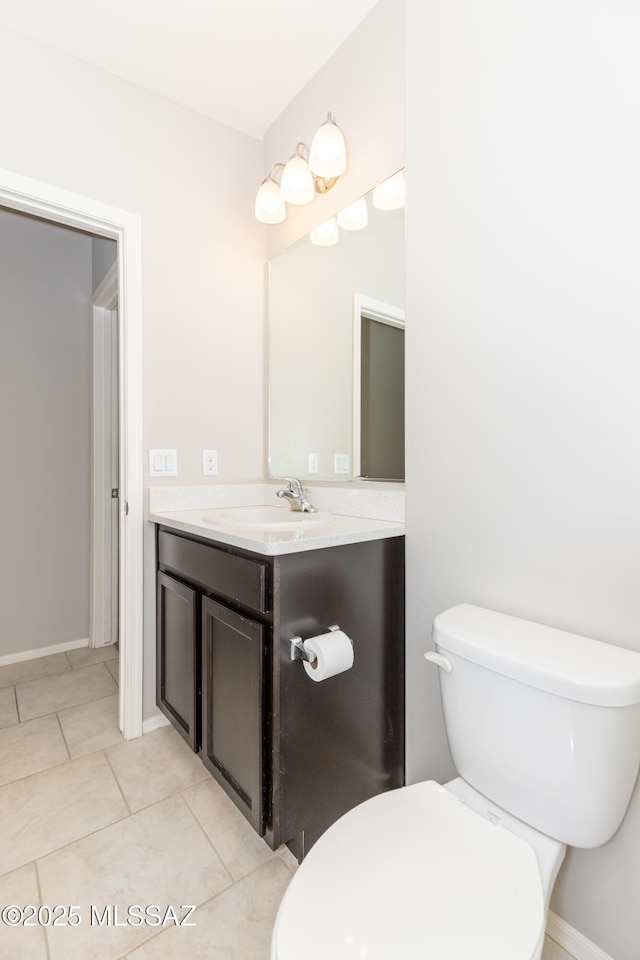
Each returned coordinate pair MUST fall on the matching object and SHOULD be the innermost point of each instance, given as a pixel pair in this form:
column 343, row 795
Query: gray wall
column 45, row 295
column 523, row 398
column 103, row 254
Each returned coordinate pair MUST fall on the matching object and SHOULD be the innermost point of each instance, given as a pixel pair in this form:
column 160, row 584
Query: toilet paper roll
column 333, row 654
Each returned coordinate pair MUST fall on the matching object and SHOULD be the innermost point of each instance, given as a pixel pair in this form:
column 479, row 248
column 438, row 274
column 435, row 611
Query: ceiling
column 237, row 61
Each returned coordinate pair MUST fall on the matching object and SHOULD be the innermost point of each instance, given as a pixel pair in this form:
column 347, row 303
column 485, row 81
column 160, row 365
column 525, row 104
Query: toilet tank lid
column 565, row 664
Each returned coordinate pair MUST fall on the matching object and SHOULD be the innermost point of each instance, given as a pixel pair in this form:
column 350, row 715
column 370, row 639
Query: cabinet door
column 232, row 706
column 177, row 693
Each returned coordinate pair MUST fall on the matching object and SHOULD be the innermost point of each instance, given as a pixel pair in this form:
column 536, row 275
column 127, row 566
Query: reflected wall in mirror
column 334, row 401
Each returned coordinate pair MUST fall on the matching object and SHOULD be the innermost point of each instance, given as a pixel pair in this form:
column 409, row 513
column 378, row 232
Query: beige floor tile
column 48, row 810
column 91, row 726
column 288, row 858
column 13, row 673
column 552, row 951
column 113, row 666
column 30, row 747
column 21, row 943
column 159, row 856
column 48, row 694
column 237, row 925
column 8, row 708
column 155, row 766
column 233, row 837
column 86, row 656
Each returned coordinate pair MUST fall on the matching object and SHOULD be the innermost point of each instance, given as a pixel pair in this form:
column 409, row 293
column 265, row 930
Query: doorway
column 378, row 390
column 105, row 467
column 59, row 206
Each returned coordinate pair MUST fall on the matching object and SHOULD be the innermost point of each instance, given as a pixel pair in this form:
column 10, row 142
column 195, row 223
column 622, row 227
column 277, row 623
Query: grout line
column 104, row 696
column 115, row 777
column 59, row 710
column 50, row 766
column 96, row 663
column 63, row 736
column 209, row 839
column 45, row 676
column 232, row 881
column 85, row 836
column 285, row 859
column 40, row 901
column 65, row 846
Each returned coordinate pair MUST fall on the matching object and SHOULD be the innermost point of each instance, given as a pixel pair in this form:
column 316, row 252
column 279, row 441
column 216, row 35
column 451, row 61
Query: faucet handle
column 293, row 484
column 295, row 494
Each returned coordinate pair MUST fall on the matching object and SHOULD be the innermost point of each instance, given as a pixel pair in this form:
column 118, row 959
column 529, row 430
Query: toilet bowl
column 418, row 872
column 544, row 730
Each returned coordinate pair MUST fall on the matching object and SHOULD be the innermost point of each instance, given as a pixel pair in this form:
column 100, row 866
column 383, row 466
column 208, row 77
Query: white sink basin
column 265, row 518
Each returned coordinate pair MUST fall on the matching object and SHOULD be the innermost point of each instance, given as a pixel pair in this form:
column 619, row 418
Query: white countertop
column 340, row 530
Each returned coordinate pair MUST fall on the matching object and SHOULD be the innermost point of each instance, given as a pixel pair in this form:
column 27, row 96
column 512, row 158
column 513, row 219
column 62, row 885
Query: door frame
column 372, row 309
column 73, row 210
column 103, row 607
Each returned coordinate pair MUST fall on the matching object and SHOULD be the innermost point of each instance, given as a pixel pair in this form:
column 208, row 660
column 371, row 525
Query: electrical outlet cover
column 209, row 463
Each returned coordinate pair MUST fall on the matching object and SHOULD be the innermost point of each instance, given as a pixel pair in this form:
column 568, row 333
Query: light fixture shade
column 355, row 216
column 296, row 185
column 328, row 154
column 326, row 234
column 270, row 206
column 389, row 195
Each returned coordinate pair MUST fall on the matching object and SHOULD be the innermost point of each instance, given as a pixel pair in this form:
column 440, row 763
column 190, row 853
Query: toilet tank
column 544, row 723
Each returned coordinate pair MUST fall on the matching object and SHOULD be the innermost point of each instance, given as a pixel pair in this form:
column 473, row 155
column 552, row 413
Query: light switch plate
column 163, row 463
column 341, row 463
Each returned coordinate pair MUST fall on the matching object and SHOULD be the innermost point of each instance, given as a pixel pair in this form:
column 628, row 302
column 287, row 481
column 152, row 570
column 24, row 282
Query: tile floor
column 88, row 820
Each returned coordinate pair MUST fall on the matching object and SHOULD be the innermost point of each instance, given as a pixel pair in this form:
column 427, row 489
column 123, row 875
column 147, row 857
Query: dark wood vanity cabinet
column 293, row 754
column 233, row 658
column 177, row 666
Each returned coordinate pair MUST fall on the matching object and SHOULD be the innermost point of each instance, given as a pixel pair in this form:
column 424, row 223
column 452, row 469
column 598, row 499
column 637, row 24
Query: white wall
column 193, row 182
column 45, row 296
column 523, row 407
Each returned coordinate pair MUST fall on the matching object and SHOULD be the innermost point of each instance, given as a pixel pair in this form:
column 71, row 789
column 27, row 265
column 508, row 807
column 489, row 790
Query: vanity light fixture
column 328, row 154
column 326, row 234
column 297, row 180
column 307, row 172
column 270, row 206
column 389, row 195
column 355, row 216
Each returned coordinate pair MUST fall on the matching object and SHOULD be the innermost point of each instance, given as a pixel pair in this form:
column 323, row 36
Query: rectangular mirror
column 336, row 354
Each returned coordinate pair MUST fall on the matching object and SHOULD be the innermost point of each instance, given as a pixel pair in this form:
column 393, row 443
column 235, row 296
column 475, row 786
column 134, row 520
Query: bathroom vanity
column 293, row 754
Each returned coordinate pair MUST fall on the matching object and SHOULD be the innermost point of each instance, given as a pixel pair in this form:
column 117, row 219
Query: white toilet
column 544, row 730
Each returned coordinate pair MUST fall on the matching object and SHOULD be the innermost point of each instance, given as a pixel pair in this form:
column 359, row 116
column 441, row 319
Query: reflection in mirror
column 336, row 354
column 378, row 390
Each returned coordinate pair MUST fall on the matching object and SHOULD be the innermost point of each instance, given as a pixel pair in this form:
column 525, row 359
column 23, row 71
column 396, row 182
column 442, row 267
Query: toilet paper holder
column 297, row 649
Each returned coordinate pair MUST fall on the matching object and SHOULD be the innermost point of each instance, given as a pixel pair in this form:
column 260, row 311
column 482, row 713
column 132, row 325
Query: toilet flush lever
column 440, row 661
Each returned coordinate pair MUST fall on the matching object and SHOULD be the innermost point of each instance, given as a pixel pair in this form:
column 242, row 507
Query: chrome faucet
column 295, row 494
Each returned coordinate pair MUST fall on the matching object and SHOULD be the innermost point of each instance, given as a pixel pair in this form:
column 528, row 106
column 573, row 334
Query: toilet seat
column 413, row 873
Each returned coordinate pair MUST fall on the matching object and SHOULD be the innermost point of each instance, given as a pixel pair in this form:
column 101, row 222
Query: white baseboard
column 572, row 940
column 42, row 652
column 154, row 723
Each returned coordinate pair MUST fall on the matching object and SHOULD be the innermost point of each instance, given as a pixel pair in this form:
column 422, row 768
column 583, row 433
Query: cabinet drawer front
column 225, row 574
